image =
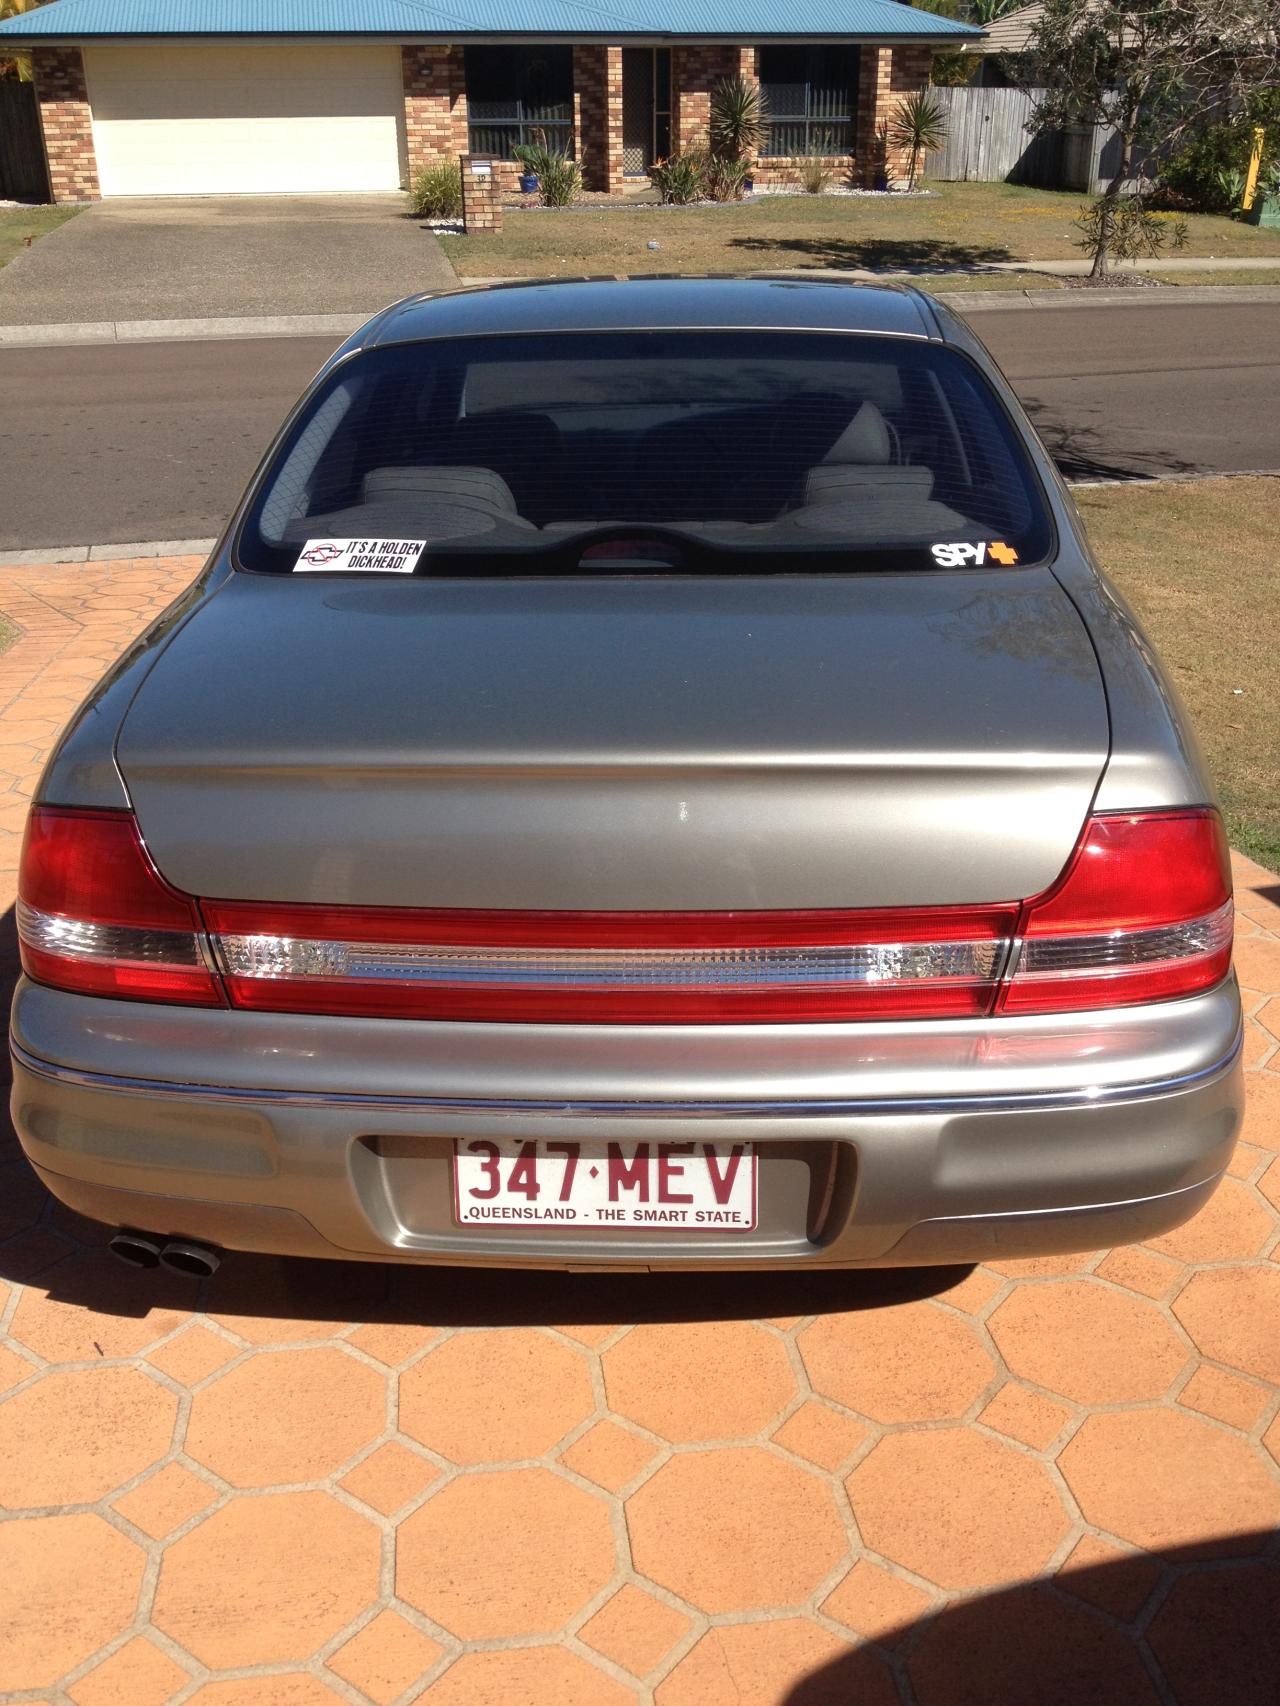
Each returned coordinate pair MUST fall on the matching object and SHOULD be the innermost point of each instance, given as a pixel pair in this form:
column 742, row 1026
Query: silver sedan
column 651, row 776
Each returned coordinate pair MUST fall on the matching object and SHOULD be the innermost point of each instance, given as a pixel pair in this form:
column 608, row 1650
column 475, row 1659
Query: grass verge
column 20, row 226
column 1197, row 562
column 8, row 633
column 962, row 225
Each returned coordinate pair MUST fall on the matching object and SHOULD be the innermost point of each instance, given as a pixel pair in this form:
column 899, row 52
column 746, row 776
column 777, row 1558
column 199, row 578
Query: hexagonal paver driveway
column 1051, row 1482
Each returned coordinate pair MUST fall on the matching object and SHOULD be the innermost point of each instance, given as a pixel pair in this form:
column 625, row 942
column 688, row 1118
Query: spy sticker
column 955, row 556
column 359, row 556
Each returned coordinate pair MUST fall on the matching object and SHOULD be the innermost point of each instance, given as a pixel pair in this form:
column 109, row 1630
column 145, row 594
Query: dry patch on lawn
column 1199, row 563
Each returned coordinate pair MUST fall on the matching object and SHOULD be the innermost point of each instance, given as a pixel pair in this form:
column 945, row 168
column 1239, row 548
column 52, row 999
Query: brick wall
column 65, row 119
column 694, row 73
column 597, row 82
column 481, row 197
column 887, row 75
column 435, row 103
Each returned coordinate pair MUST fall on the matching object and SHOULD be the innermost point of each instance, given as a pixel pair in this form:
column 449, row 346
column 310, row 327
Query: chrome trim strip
column 1086, row 1096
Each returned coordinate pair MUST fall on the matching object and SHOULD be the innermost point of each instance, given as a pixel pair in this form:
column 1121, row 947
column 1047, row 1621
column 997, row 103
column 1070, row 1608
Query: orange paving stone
column 137, row 1674
column 609, row 1455
column 635, row 1629
column 267, row 1580
column 386, row 1657
column 907, row 1362
column 1088, row 1342
column 507, row 1552
column 110, row 1425
column 165, row 1500
column 977, row 1511
column 821, row 1435
column 534, row 1676
column 872, row 1601
column 755, row 1664
column 497, row 1396
column 284, row 1416
column 1117, row 1582
column 1102, row 1420
column 701, row 1380
column 735, row 1530
column 389, row 1477
column 1025, row 1415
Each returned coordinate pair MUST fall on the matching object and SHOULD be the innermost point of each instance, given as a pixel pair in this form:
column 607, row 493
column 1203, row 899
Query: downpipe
column 179, row 1255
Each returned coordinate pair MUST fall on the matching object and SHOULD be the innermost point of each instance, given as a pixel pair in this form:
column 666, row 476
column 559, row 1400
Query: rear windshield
column 649, row 452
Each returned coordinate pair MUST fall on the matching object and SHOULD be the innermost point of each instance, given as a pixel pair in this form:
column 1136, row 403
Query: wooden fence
column 988, row 141
column 23, row 173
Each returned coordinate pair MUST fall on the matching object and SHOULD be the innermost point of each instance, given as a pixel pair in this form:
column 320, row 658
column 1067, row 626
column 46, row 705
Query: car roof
column 629, row 304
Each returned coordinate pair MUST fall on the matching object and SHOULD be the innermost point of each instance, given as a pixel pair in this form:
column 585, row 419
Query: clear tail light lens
column 1142, row 913
column 613, row 967
column 94, row 914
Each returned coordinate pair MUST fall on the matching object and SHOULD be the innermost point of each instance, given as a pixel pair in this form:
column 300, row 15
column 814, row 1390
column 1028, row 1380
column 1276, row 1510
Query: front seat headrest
column 866, row 439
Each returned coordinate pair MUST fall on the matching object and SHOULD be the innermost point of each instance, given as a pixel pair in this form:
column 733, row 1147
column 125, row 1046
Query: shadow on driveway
column 1213, row 1638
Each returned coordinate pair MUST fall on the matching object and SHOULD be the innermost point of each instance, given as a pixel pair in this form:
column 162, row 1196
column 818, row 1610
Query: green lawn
column 963, row 225
column 1198, row 563
column 21, row 226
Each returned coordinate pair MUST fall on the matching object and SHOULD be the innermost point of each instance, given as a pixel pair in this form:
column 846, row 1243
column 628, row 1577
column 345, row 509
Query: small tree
column 919, row 124
column 1129, row 228
column 1151, row 70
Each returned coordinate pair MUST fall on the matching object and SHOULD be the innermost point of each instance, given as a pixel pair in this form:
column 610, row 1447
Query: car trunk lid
column 659, row 743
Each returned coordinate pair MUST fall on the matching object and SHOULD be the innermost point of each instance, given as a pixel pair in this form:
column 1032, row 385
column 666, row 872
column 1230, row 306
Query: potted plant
column 531, row 157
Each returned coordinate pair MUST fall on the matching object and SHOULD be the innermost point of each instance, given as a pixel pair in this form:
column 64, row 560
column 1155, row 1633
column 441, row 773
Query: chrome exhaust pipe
column 134, row 1249
column 196, row 1261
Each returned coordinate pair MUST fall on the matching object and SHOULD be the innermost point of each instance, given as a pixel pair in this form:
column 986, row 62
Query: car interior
column 874, row 455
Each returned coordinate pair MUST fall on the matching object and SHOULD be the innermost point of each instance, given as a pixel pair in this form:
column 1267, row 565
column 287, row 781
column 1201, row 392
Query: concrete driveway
column 210, row 257
column 308, row 1483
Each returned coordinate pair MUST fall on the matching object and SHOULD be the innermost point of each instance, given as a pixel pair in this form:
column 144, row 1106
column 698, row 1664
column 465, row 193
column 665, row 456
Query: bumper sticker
column 359, row 556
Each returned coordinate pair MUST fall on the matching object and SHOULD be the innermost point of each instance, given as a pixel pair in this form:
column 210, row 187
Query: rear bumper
column 880, row 1145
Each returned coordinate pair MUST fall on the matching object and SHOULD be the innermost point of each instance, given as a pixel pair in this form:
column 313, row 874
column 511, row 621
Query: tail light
column 94, row 914
column 1142, row 913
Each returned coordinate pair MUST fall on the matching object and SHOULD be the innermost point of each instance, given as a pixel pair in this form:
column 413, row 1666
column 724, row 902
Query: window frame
column 844, row 125
column 517, row 124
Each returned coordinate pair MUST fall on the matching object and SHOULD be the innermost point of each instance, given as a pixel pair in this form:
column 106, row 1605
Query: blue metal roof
column 452, row 20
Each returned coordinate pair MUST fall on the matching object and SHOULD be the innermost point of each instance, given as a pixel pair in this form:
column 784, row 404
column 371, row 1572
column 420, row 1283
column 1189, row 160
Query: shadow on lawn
column 887, row 254
column 1213, row 1638
column 44, row 1243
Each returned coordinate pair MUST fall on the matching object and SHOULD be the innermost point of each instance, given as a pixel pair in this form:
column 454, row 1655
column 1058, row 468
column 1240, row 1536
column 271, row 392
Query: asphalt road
column 131, row 442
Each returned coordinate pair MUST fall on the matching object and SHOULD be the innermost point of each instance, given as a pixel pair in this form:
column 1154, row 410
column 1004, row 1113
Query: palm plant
column 987, row 11
column 918, row 124
column 21, row 65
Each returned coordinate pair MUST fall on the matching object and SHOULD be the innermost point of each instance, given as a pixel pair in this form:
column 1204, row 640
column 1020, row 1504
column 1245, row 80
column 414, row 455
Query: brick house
column 144, row 97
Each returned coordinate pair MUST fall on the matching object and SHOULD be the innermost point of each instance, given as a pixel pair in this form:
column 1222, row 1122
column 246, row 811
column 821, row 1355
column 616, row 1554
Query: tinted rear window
column 659, row 452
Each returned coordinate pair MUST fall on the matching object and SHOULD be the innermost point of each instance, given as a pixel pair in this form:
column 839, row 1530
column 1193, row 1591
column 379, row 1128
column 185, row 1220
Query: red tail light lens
column 1142, row 913
column 95, row 915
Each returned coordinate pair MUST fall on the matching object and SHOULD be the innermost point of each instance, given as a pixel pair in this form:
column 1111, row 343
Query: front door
column 646, row 108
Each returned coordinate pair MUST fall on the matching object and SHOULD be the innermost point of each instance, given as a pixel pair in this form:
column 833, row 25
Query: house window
column 812, row 97
column 519, row 94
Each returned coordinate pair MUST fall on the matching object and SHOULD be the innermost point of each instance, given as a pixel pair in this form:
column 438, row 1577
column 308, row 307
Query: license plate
column 687, row 1187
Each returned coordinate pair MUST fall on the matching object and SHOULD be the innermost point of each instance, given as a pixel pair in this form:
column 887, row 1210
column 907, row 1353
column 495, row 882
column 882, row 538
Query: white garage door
column 221, row 119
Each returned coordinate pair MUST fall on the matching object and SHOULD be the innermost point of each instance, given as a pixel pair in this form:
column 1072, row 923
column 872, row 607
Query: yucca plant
column 736, row 128
column 919, row 124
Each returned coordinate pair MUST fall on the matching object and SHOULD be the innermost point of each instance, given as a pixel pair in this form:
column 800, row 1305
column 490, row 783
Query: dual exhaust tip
column 179, row 1255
